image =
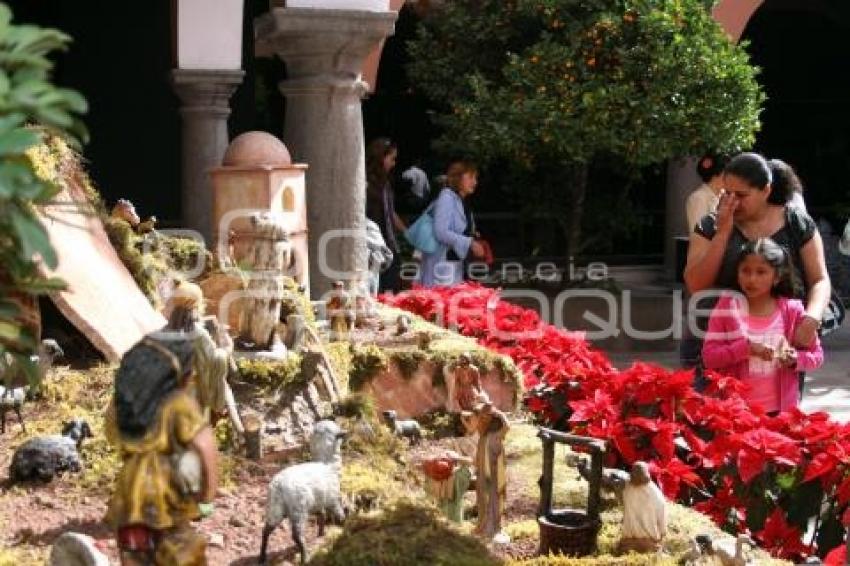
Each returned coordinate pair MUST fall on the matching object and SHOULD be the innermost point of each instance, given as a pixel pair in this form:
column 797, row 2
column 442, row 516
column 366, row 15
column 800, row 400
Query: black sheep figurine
column 43, row 457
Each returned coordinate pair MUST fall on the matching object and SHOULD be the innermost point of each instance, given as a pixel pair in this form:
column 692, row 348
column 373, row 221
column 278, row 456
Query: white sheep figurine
column 311, row 488
column 730, row 552
column 407, row 428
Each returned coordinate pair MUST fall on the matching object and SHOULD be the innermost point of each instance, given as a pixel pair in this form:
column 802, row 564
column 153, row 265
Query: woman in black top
column 381, row 155
column 751, row 207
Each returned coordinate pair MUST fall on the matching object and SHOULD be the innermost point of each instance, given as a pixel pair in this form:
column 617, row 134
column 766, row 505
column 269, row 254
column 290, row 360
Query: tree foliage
column 553, row 85
column 30, row 108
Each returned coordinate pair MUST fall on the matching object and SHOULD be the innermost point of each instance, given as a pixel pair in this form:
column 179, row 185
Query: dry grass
column 524, row 457
column 397, row 522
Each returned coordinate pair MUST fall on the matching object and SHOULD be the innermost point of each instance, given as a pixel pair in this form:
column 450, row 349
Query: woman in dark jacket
column 381, row 155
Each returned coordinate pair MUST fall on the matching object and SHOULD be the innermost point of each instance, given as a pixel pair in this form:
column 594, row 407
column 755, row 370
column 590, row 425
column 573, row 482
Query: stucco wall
column 733, row 15
column 195, row 48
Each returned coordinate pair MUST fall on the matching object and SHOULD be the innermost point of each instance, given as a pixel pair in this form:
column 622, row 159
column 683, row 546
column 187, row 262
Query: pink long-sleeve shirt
column 727, row 349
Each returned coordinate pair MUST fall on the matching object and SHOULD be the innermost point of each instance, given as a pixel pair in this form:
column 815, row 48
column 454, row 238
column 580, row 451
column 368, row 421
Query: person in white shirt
column 705, row 198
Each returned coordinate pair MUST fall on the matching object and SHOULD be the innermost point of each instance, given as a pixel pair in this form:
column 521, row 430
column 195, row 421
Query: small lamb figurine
column 409, row 428
column 729, row 551
column 613, row 479
column 403, row 323
column 43, row 457
column 307, row 489
column 12, row 399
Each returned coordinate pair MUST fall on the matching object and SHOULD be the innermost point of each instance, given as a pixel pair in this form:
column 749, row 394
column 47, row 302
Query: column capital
column 323, row 42
column 206, row 91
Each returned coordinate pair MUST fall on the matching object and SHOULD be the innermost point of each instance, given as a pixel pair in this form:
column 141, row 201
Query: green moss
column 404, row 534
column 446, row 352
column 75, row 394
column 366, row 362
column 442, row 424
column 56, row 162
column 339, row 354
column 295, row 302
column 272, row 375
column 356, row 406
column 408, row 361
column 182, row 254
column 147, row 270
column 601, row 560
column 17, row 556
column 522, row 530
column 374, row 474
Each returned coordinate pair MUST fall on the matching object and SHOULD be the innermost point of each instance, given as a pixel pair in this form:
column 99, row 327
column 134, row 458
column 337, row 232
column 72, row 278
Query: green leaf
column 33, row 238
column 16, row 141
column 786, row 481
column 5, row 19
column 9, row 121
column 4, row 83
column 56, row 117
column 14, row 177
column 9, row 332
column 74, row 101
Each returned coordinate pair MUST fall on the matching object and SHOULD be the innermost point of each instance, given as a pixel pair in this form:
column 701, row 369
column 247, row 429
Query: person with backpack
column 454, row 228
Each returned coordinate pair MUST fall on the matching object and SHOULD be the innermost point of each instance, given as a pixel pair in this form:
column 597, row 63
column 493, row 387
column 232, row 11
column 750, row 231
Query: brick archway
column 733, row 15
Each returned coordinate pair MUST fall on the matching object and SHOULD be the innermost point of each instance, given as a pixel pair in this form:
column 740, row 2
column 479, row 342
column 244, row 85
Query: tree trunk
column 574, row 209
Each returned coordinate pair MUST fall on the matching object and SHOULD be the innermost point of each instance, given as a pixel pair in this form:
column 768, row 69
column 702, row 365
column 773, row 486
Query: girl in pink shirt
column 750, row 333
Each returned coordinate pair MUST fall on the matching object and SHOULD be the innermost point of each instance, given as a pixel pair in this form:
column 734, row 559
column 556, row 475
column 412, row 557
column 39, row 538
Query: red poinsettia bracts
column 711, row 449
column 781, row 539
column 725, row 508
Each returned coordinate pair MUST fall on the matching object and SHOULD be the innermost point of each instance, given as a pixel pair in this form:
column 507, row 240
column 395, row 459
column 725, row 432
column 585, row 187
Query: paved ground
column 827, row 389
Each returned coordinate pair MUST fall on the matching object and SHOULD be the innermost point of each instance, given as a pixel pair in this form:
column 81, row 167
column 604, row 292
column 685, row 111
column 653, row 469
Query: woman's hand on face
column 476, row 249
column 726, row 212
column 806, row 332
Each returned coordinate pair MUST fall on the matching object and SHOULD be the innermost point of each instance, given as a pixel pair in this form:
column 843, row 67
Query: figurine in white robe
column 644, row 513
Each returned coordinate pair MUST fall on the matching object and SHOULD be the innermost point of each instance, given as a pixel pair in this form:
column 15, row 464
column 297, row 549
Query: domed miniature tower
column 257, row 175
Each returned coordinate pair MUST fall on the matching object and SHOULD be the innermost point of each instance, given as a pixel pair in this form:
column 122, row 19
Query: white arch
column 733, row 15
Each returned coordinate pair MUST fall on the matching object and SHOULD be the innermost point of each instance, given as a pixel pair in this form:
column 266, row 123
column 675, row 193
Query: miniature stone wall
column 425, row 390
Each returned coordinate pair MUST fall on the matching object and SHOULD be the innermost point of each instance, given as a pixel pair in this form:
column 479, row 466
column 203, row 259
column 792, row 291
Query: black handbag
column 833, row 315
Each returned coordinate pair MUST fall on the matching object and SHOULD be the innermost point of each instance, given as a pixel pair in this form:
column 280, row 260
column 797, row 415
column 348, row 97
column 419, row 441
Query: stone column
column 205, row 97
column 324, row 52
column 682, row 179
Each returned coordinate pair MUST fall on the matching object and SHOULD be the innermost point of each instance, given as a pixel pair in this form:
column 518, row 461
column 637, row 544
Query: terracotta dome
column 254, row 149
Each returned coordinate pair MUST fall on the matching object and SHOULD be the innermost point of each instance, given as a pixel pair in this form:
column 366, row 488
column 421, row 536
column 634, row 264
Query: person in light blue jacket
column 453, row 229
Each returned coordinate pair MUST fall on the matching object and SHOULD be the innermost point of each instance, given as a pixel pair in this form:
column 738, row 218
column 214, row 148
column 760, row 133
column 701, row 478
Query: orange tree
column 30, row 107
column 551, row 87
